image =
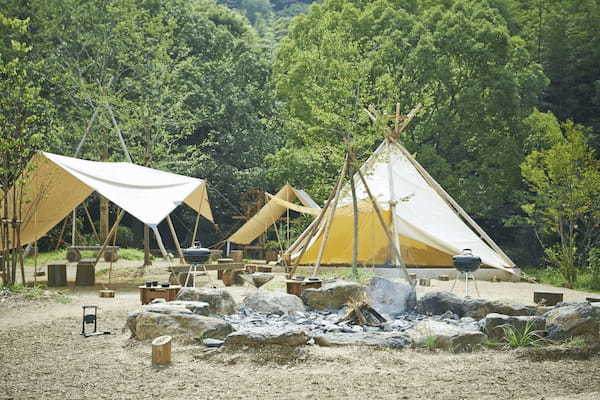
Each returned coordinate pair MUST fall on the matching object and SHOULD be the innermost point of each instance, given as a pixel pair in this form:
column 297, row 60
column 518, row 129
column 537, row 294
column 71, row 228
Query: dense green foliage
column 255, row 93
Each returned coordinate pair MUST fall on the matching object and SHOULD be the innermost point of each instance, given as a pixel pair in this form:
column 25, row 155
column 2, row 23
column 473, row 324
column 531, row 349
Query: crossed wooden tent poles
column 349, row 170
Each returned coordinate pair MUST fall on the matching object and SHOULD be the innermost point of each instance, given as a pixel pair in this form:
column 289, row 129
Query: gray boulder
column 391, row 298
column 265, row 301
column 392, row 340
column 178, row 322
column 196, row 307
column 493, row 324
column 573, row 320
column 268, row 336
column 332, row 296
column 438, row 302
column 441, row 335
column 479, row 308
column 219, row 300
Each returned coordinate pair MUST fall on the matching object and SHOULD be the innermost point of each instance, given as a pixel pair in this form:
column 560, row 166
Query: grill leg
column 454, row 284
column 475, row 283
column 467, row 284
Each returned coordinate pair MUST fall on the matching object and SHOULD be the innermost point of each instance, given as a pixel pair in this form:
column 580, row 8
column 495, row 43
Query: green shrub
column 594, row 268
column 521, row 337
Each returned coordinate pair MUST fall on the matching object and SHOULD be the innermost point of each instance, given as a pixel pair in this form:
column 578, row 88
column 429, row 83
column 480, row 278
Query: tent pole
column 329, row 221
column 175, row 239
column 62, row 232
column 393, row 202
column 198, row 217
column 312, row 229
column 110, row 233
column 74, row 218
column 159, row 241
column 436, row 186
column 89, row 217
column 385, row 227
column 354, row 222
column 121, row 140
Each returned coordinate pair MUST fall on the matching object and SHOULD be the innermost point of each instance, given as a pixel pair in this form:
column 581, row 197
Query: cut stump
column 547, row 298
column 444, row 278
column 161, row 350
column 107, row 293
column 424, row 282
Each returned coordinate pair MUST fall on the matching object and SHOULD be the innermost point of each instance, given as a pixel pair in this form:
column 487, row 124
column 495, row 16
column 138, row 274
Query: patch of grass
column 48, row 257
column 363, row 275
column 131, row 254
column 576, row 342
column 552, row 276
column 492, row 343
column 27, row 291
column 521, row 337
column 430, row 342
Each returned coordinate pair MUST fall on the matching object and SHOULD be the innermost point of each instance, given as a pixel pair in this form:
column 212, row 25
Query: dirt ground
column 43, row 356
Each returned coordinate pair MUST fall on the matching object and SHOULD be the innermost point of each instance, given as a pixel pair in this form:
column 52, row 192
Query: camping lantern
column 466, row 264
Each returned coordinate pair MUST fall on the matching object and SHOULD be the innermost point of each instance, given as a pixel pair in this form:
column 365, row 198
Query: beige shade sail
column 57, row 184
column 272, row 211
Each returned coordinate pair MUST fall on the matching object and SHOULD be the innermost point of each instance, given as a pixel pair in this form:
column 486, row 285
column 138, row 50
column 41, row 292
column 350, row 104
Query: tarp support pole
column 113, row 231
column 175, row 239
column 159, row 241
column 395, row 229
column 228, row 248
column 121, row 140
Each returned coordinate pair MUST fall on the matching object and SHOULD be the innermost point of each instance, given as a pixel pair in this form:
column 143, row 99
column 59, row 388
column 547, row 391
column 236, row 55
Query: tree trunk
column 147, row 259
column 355, row 223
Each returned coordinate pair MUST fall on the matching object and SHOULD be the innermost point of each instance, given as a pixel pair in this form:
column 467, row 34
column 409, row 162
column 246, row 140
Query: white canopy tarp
column 58, row 184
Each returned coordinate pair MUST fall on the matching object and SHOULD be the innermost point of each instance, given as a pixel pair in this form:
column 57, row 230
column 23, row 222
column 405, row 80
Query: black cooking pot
column 466, row 262
column 196, row 255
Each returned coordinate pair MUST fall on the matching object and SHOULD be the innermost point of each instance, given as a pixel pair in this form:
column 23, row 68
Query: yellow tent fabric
column 270, row 213
column 58, row 184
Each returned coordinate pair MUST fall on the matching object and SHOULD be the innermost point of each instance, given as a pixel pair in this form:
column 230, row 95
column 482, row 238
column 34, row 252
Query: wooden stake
column 174, row 234
column 112, row 231
column 329, row 221
column 161, row 350
column 385, row 228
column 62, row 232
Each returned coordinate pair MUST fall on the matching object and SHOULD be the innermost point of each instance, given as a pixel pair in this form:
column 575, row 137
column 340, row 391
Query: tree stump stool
column 424, row 282
column 57, row 275
column 444, row 278
column 85, row 275
column 412, row 276
column 161, row 350
column 237, row 255
column 547, row 298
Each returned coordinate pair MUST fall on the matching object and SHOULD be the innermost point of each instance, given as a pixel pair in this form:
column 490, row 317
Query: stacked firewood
column 359, row 312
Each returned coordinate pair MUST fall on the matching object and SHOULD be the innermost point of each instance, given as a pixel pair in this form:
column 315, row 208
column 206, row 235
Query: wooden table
column 147, row 294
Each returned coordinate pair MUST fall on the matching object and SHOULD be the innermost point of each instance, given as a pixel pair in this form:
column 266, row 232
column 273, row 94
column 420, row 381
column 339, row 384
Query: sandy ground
column 42, row 356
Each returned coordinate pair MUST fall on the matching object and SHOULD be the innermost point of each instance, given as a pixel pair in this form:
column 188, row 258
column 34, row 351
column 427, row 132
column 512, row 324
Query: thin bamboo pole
column 175, row 239
column 310, row 232
column 108, row 237
column 385, row 227
column 329, row 221
column 111, row 261
column 89, row 217
column 355, row 223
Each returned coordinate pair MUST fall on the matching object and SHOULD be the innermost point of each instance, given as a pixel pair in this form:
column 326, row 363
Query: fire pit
column 257, row 279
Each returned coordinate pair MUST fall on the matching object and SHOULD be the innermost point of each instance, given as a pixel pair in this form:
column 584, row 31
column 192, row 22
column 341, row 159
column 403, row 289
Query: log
column 424, row 282
column 107, row 293
column 444, row 278
column 547, row 298
column 161, row 350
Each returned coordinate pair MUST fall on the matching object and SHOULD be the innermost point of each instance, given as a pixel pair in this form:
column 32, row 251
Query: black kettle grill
column 466, row 264
column 196, row 254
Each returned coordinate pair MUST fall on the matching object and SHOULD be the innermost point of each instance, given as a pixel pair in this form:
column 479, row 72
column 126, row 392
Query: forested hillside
column 255, row 93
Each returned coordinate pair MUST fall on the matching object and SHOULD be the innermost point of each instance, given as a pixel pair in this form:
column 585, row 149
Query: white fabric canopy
column 58, row 184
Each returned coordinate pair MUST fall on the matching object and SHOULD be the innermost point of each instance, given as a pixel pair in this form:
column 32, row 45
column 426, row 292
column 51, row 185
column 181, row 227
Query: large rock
column 479, row 308
column 441, row 335
column 573, row 320
column 265, row 301
column 185, row 307
column 393, row 340
column 391, row 298
column 493, row 324
column 178, row 322
column 266, row 336
column 219, row 300
column 332, row 296
column 197, row 307
column 437, row 303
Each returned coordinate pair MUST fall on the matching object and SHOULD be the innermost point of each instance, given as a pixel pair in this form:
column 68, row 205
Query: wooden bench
column 111, row 253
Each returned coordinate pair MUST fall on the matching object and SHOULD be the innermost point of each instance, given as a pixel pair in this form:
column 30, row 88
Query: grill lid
column 466, row 262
